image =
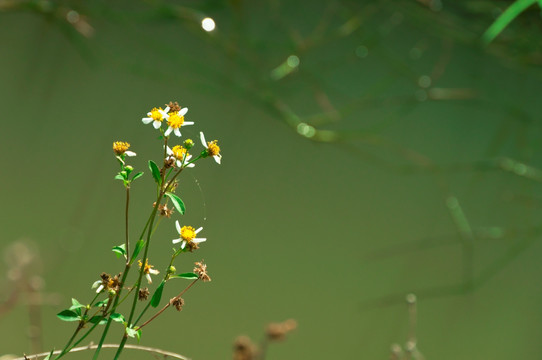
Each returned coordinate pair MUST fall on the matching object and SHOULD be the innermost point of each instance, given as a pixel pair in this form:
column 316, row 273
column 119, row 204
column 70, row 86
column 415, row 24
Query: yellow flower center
column 212, row 148
column 179, row 152
column 188, row 233
column 175, row 121
column 156, row 115
column 120, row 147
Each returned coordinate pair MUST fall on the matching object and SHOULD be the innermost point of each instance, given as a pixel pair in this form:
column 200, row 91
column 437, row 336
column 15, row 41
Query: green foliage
column 68, row 315
column 177, row 202
column 188, row 275
column 118, row 318
column 137, row 250
column 512, row 12
column 155, row 172
column 131, row 332
column 120, row 250
column 157, row 296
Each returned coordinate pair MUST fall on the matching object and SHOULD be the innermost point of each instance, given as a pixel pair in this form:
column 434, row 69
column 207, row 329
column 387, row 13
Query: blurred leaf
column 68, row 315
column 49, row 356
column 188, row 275
column 120, row 250
column 138, row 175
column 119, row 177
column 157, row 296
column 118, row 317
column 177, row 202
column 138, row 247
column 155, row 172
column 133, row 333
column 98, row 319
column 102, row 303
column 76, row 305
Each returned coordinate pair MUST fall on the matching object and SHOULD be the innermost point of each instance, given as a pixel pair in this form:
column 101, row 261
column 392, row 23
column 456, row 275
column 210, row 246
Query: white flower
column 212, row 148
column 175, row 121
column 156, row 116
column 187, row 235
column 180, row 155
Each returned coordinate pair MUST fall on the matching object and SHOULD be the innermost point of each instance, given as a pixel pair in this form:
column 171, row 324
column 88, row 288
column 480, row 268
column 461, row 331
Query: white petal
column 154, row 271
column 199, row 240
column 168, row 131
column 175, row 241
column 190, row 165
column 166, row 110
column 168, row 150
column 157, row 124
column 178, row 226
column 100, row 288
column 149, row 279
column 130, row 153
column 202, row 137
column 183, row 111
column 146, row 120
column 188, row 123
column 179, row 163
column 177, row 132
column 217, row 158
column 199, row 229
column 183, row 245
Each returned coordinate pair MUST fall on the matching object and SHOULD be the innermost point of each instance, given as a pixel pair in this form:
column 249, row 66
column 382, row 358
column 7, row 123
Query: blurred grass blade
column 506, row 18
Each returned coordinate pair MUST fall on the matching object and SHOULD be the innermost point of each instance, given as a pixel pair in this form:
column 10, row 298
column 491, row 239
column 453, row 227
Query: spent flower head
column 201, row 270
column 212, row 149
column 187, row 235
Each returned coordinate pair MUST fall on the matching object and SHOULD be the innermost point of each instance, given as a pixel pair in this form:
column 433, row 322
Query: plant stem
column 126, row 217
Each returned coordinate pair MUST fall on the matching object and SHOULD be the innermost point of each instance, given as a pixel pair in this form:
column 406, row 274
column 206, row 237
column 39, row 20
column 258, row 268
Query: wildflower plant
column 110, row 292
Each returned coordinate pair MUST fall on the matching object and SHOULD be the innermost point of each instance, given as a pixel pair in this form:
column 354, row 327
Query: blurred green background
column 370, row 149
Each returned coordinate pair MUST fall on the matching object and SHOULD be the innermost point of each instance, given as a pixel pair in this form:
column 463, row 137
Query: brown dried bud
column 178, row 303
column 244, row 349
column 174, row 106
column 201, row 270
column 144, row 294
column 278, row 331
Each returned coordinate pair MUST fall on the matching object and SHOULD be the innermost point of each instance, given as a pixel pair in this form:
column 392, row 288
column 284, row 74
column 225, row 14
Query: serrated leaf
column 138, row 175
column 118, row 317
column 155, row 172
column 157, row 296
column 120, row 250
column 177, row 202
column 188, row 275
column 68, row 315
column 139, row 245
column 98, row 319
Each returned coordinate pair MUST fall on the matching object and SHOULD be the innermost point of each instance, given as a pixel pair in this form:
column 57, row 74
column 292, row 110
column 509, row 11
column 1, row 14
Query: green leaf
column 102, row 303
column 139, row 245
column 76, row 305
column 49, row 356
column 155, row 172
column 68, row 315
column 157, row 296
column 120, row 250
column 98, row 319
column 177, row 202
column 133, row 333
column 119, row 177
column 138, row 175
column 188, row 275
column 512, row 12
column 118, row 318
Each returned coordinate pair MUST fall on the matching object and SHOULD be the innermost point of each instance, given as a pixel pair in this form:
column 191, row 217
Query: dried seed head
column 144, row 294
column 201, row 270
column 278, row 331
column 174, row 106
column 178, row 303
column 244, row 349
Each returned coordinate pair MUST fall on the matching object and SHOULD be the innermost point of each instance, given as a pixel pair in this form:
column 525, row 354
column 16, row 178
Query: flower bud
column 188, row 144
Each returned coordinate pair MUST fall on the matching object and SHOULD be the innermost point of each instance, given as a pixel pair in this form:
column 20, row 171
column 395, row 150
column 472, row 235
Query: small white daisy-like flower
column 180, row 155
column 212, row 148
column 187, row 235
column 156, row 116
column 148, row 270
column 175, row 120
